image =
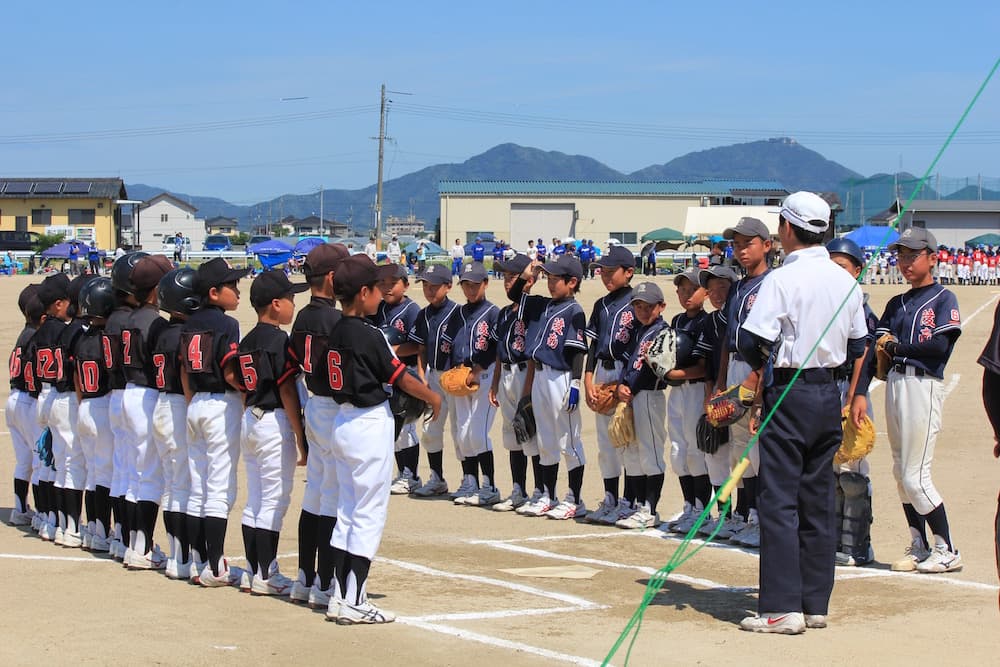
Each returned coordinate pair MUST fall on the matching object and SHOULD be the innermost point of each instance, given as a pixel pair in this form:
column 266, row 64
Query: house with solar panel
column 86, row 209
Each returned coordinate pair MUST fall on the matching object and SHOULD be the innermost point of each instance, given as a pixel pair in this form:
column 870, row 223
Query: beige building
column 517, row 211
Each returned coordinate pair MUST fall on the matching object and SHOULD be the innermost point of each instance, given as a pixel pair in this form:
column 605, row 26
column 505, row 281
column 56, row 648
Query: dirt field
column 439, row 569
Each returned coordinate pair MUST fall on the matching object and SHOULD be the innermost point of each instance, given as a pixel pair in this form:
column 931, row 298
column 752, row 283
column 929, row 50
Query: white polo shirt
column 797, row 301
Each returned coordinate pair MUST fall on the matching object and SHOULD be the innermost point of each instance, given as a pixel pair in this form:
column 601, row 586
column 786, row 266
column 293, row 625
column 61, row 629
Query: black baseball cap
column 748, row 226
column 352, row 274
column 691, row 274
column 216, row 272
column 271, row 285
column 915, row 238
column 517, row 264
column 53, row 288
column 564, row 265
column 473, row 273
column 147, row 271
column 436, row 274
column 717, row 271
column 324, row 258
column 617, row 256
column 29, row 303
column 392, row 272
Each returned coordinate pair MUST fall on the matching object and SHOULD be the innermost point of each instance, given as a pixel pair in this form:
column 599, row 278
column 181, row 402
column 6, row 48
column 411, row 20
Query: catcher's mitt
column 406, row 407
column 727, row 407
column 622, row 426
column 606, row 400
column 524, row 421
column 453, row 381
column 710, row 438
column 857, row 442
column 661, row 357
column 883, row 360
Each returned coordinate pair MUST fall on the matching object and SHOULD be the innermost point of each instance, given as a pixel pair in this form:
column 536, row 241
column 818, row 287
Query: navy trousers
column 798, row 533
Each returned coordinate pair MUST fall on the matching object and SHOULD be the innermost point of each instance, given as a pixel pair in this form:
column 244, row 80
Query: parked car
column 217, row 242
column 255, row 240
column 170, row 244
column 18, row 241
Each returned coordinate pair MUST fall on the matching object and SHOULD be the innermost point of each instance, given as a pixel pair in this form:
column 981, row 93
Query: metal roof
column 955, row 206
column 641, row 188
column 62, row 188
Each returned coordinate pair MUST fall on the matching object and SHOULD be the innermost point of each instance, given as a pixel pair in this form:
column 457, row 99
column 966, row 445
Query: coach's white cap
column 806, row 210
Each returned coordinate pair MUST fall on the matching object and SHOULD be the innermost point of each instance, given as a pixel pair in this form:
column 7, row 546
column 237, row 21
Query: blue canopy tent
column 271, row 253
column 64, row 250
column 308, row 243
column 871, row 236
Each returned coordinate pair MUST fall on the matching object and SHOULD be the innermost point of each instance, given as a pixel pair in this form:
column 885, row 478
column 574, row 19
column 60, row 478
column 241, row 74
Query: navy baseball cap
column 717, row 271
column 691, row 274
column 216, row 272
column 324, row 258
column 565, row 265
column 473, row 273
column 271, row 285
column 436, row 274
column 648, row 293
column 915, row 238
column 748, row 226
column 516, row 264
column 617, row 256
column 352, row 274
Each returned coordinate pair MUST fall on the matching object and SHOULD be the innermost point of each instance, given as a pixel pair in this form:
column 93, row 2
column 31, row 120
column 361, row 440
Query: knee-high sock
column 654, row 487
column 355, row 590
column 308, row 532
column 486, row 464
column 550, row 475
column 938, row 522
column 102, row 503
column 435, row 460
column 21, row 495
column 576, row 483
column 267, row 550
column 326, row 563
column 518, row 470
column 250, row 547
column 146, row 512
column 215, row 541
column 196, row 534
column 536, row 472
column 72, row 507
column 611, row 486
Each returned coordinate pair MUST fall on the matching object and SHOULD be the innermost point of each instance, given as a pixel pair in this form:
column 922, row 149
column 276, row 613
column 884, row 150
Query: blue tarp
column 308, row 243
column 269, row 247
column 871, row 236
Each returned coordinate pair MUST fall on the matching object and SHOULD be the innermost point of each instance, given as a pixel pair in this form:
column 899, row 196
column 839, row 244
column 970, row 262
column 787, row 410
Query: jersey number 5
column 248, row 371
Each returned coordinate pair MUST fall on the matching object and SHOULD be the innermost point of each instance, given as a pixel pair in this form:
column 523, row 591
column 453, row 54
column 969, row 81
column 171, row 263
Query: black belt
column 901, row 368
column 808, row 375
column 540, row 366
column 607, row 364
column 521, row 365
column 678, row 383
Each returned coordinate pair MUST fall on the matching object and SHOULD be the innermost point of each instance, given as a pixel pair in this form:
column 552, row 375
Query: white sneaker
column 942, row 559
column 607, row 505
column 621, row 511
column 246, row 581
column 815, row 621
column 71, row 540
column 275, row 584
column 748, row 537
column 536, row 495
column 299, row 591
column 537, row 508
column 363, row 614
column 48, row 532
column 152, row 560
column 466, row 490
column 683, row 518
column 435, row 486
column 228, row 576
column 487, row 496
column 514, row 501
column 914, row 554
column 60, row 536
column 85, row 537
column 36, row 523
column 567, row 509
column 21, row 518
column 641, row 519
column 792, row 623
column 98, row 544
column 730, row 527
column 708, row 526
column 196, row 570
column 405, row 484
column 178, row 571
column 318, row 599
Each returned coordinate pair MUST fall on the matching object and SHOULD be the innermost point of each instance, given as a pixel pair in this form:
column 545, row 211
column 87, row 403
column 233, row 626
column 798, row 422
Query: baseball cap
column 324, row 258
column 648, row 293
column 53, row 288
column 147, row 271
column 915, row 238
column 473, row 273
column 717, row 271
column 747, row 226
column 617, row 256
column 76, row 285
column 391, row 272
column 806, row 210
column 216, row 272
column 271, row 285
column 691, row 275
column 564, row 265
column 516, row 264
column 436, row 274
column 352, row 274
column 30, row 304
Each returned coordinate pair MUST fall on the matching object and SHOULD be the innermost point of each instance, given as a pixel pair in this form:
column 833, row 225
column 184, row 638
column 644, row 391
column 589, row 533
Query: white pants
column 558, row 430
column 472, row 419
column 322, row 486
column 609, row 457
column 23, row 426
column 509, row 394
column 684, row 406
column 122, row 443
column 171, row 439
column 213, row 422
column 407, row 437
column 94, row 434
column 913, row 419
column 433, row 438
column 739, row 432
column 71, row 468
column 269, row 456
column 362, row 445
column 145, row 481
column 649, row 408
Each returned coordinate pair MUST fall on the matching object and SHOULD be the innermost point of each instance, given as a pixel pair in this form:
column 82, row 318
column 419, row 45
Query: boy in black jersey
column 21, row 409
column 271, row 431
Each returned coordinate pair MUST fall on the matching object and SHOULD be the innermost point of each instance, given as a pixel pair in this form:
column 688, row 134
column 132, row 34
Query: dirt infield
column 439, row 569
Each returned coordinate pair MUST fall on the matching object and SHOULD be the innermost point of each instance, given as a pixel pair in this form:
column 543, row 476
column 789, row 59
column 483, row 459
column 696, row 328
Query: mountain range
column 780, row 159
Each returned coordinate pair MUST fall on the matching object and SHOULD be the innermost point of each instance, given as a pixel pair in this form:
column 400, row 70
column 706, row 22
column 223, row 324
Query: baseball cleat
column 606, row 506
column 178, row 571
column 228, row 576
column 682, row 518
column 567, row 509
column 275, row 584
column 815, row 621
column 915, row 553
column 942, row 559
column 538, row 508
column 299, row 591
column 152, row 560
column 195, row 578
column 99, row 545
column 404, row 484
column 622, row 510
column 792, row 623
column 536, row 495
column 318, row 599
column 363, row 614
column 730, row 527
column 487, row 496
column 641, row 519
column 21, row 518
column 246, row 581
column 434, row 486
column 748, row 537
column 468, row 488
column 513, row 502
column 71, row 540
column 708, row 526
column 48, row 532
column 60, row 536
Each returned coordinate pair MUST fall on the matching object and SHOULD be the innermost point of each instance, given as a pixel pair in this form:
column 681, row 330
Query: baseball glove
column 883, row 360
column 453, row 381
column 661, row 357
column 727, row 407
column 857, row 442
column 524, row 421
column 606, row 401
column 710, row 438
column 622, row 426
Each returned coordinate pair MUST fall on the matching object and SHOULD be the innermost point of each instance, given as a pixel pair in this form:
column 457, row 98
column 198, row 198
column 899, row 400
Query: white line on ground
column 980, row 309
column 505, row 613
column 951, row 385
column 68, row 559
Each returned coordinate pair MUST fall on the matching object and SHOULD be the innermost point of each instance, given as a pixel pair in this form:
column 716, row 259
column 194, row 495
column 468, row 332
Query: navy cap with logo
column 516, row 264
column 324, row 258
column 748, row 226
column 214, row 273
column 915, row 238
column 648, row 293
column 691, row 274
column 717, row 271
column 436, row 274
column 352, row 274
column 272, row 285
column 565, row 265
column 473, row 273
column 617, row 256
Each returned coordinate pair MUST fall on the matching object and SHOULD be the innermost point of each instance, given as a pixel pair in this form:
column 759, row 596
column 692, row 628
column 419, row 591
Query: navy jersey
column 360, row 363
column 613, row 325
column 308, row 343
column 552, row 327
column 709, row 344
column 117, row 320
column 264, row 365
column 88, row 355
column 916, row 318
column 138, row 338
column 401, row 318
column 509, row 335
column 20, row 375
column 209, row 340
column 693, row 326
column 738, row 305
column 429, row 330
column 637, row 375
column 469, row 333
column 166, row 359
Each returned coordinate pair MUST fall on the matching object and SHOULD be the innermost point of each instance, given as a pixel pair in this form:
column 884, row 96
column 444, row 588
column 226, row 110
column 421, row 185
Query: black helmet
column 97, row 297
column 122, row 269
column 684, row 344
column 393, row 335
column 176, row 293
column 845, row 246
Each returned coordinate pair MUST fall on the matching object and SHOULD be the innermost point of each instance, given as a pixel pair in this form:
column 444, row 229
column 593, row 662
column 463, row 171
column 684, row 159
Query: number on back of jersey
column 132, row 349
column 255, row 367
column 198, row 351
column 111, row 344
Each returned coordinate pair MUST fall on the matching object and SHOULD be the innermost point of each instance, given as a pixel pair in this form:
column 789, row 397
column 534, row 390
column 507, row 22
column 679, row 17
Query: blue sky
column 140, row 89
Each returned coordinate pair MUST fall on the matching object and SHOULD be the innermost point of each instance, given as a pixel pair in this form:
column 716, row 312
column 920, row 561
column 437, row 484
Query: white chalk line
column 67, row 559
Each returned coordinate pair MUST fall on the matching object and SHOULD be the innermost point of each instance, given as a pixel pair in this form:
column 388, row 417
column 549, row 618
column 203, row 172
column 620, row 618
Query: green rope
column 659, row 579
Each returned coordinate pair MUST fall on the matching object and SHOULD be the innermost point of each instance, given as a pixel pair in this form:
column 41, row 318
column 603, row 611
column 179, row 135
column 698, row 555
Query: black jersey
column 138, row 339
column 401, row 318
column 429, row 331
column 554, row 329
column 360, row 363
column 166, row 359
column 88, row 356
column 264, row 365
column 307, row 345
column 469, row 334
column 209, row 340
column 44, row 352
column 67, row 368
column 117, row 320
column 19, row 378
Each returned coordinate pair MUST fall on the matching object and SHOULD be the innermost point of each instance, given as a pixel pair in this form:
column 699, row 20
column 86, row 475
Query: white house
column 163, row 216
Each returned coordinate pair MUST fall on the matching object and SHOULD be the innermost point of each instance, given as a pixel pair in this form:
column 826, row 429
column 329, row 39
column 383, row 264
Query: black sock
column 549, row 476
column 147, row 511
column 325, row 562
column 470, row 466
column 400, row 462
column 308, row 530
column 654, row 487
column 250, row 547
column 435, row 460
column 938, row 522
column 721, row 505
column 36, row 494
column 409, row 458
column 183, row 539
column 341, row 560
column 536, row 471
column 73, row 507
column 102, row 503
column 750, row 489
column 21, row 492
column 519, row 470
column 702, row 489
column 687, row 488
column 916, row 521
column 169, row 520
column 629, row 488
column 576, row 483
column 359, row 567
column 90, row 505
column 132, row 519
column 267, row 550
column 611, row 486
column 486, row 465
column 639, row 484
column 60, row 496
column 196, row 535
column 215, row 540
column 742, row 503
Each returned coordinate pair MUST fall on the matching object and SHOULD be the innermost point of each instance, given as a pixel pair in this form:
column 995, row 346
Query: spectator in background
column 457, row 258
column 718, row 256
column 94, row 258
column 371, row 249
column 421, row 255
column 74, row 255
column 651, row 261
column 586, row 256
column 497, row 258
column 478, row 250
column 178, row 247
column 394, row 252
column 532, row 251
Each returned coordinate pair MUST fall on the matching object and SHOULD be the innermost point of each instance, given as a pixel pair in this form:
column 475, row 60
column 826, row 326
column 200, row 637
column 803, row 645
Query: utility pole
column 321, row 210
column 381, row 155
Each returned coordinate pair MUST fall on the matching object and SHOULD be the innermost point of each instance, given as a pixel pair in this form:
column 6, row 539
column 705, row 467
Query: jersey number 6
column 333, row 364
